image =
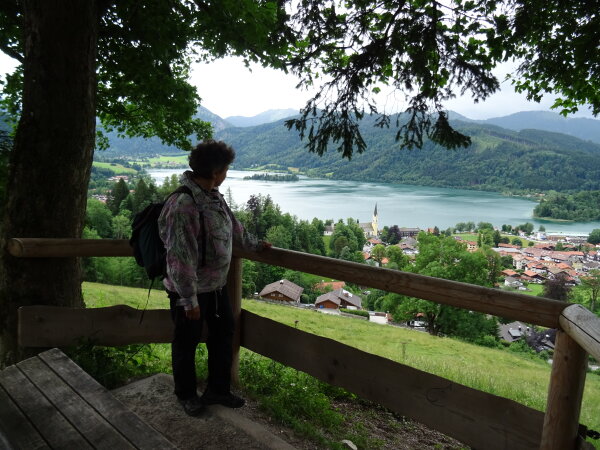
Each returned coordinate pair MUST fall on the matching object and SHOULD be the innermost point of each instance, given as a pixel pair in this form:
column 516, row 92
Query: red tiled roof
column 334, row 285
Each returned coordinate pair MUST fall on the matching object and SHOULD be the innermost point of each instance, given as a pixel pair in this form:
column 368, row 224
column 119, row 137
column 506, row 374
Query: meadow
column 116, row 168
column 520, row 376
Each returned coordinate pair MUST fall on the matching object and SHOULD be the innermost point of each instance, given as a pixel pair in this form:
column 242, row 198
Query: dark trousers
column 215, row 312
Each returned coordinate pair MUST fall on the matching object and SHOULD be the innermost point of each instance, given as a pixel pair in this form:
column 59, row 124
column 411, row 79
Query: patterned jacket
column 198, row 234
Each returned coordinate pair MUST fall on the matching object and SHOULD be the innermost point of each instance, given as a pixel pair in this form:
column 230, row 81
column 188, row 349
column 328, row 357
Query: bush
column 123, row 363
column 488, row 341
column 357, row 312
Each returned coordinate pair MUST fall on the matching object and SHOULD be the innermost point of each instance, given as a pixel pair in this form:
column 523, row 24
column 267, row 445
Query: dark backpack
column 148, row 247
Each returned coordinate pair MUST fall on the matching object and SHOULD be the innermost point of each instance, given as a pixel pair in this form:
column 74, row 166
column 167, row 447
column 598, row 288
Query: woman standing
column 198, row 231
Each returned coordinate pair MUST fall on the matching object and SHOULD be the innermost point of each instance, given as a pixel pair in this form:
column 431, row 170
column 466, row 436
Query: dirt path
column 249, row 428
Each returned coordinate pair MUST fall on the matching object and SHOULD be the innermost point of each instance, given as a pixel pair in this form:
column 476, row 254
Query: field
column 473, row 237
column 176, row 161
column 118, row 169
column 517, row 376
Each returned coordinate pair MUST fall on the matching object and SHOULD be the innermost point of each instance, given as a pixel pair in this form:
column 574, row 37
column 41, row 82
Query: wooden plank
column 54, row 326
column 138, row 432
column 15, row 429
column 67, row 248
column 97, row 431
column 49, row 422
column 234, row 286
column 536, row 310
column 583, row 326
column 476, row 418
column 567, row 380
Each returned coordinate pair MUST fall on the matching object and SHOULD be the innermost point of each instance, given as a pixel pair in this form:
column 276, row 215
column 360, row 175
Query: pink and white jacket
column 198, row 234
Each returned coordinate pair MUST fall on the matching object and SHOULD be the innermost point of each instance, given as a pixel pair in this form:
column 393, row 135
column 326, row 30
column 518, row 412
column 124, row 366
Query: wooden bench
column 48, row 401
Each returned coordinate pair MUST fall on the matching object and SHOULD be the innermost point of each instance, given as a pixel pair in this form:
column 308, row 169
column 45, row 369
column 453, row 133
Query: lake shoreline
column 407, row 206
column 528, row 197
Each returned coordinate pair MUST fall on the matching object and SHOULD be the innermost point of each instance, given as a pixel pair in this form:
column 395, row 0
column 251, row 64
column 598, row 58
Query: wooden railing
column 476, row 418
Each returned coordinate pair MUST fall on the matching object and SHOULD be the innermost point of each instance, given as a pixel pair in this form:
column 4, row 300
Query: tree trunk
column 51, row 160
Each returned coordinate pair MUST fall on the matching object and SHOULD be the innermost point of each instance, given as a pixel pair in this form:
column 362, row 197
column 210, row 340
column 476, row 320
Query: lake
column 397, row 204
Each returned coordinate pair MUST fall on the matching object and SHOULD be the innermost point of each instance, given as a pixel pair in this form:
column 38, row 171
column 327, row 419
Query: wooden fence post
column 234, row 287
column 565, row 392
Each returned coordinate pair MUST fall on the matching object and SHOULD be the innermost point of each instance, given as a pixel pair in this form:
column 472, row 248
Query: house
column 408, row 245
column 502, row 245
column 372, row 242
column 532, row 277
column 328, row 230
column 283, row 291
column 330, row 285
column 471, row 246
column 340, row 298
column 510, row 273
column 590, row 265
column 513, row 331
column 519, row 261
column 513, row 282
column 409, row 232
column 537, row 267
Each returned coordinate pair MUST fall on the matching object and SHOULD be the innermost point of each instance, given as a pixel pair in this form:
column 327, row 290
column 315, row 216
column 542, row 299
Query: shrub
column 115, row 366
column 357, row 312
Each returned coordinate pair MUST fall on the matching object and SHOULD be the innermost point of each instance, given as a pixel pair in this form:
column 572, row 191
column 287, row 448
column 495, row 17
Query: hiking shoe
column 229, row 400
column 192, row 406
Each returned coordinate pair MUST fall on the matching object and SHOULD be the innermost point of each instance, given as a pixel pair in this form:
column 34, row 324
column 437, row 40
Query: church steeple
column 375, row 222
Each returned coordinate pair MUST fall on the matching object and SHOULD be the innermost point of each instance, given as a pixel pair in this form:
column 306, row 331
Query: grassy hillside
column 118, row 169
column 513, row 375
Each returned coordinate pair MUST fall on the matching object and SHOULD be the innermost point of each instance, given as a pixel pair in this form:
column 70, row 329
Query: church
column 371, row 229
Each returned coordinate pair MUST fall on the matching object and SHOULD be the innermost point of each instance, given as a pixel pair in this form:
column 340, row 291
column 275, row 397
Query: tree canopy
column 426, row 50
column 127, row 64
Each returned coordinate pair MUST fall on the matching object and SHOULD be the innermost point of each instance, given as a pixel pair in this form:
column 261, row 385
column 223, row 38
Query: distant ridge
column 269, row 116
column 583, row 128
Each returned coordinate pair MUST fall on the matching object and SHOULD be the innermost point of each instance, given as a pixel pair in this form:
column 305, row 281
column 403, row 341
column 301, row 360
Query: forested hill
column 138, row 146
column 498, row 159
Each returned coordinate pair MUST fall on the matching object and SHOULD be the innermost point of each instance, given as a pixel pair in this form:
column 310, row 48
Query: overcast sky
column 228, row 88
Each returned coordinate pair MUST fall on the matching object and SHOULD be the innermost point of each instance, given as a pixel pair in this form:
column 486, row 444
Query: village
column 544, row 257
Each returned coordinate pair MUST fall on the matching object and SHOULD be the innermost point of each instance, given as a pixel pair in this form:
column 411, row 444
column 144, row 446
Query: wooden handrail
column 535, row 310
column 67, row 248
column 581, row 327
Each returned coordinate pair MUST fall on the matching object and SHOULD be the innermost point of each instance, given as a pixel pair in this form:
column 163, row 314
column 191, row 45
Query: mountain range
column 516, row 153
column 583, row 128
column 271, row 115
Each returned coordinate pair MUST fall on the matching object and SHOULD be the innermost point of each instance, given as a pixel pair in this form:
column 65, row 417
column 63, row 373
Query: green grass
column 473, row 237
column 534, row 289
column 118, row 169
column 517, row 376
column 512, row 375
column 181, row 160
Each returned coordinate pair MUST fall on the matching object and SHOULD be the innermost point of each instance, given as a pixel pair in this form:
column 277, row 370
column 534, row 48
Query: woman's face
column 220, row 176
